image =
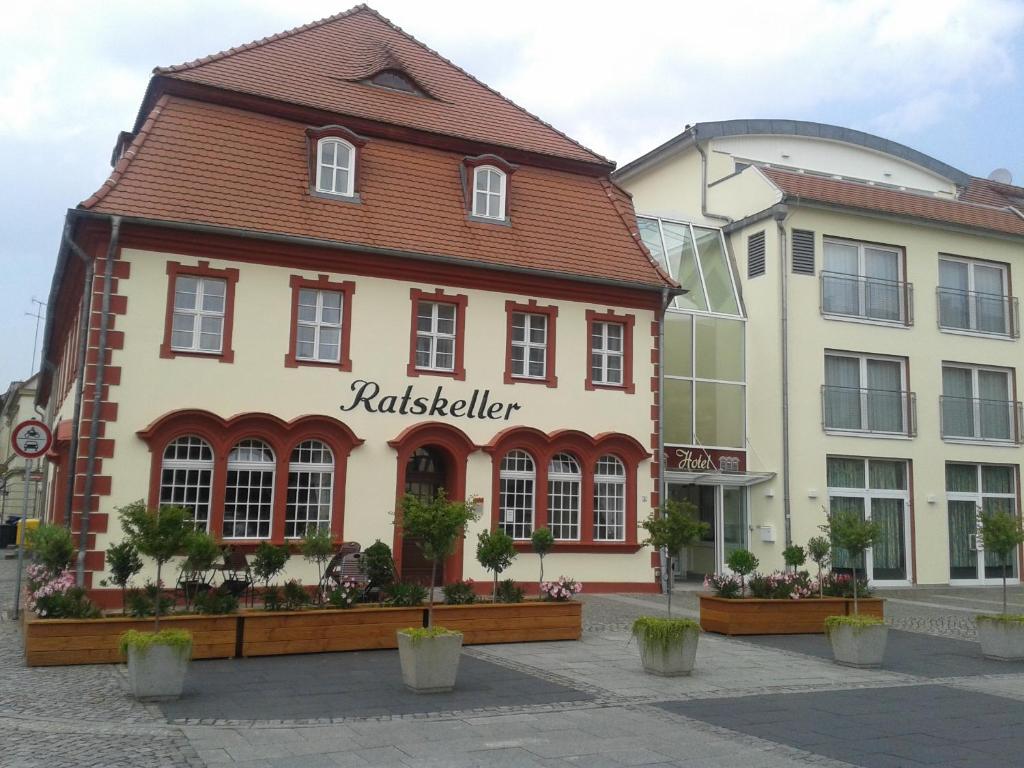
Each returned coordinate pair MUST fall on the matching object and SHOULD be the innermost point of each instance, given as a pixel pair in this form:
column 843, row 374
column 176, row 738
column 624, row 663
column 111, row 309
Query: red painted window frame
column 628, row 321
column 461, row 301
column 322, row 283
column 531, row 308
column 202, row 269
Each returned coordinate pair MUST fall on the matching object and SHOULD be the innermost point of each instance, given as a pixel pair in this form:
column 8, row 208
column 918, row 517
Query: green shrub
column 216, row 602
column 543, row 542
column 673, row 526
column 295, row 595
column 819, row 549
column 142, row 602
column 662, row 634
column 459, row 593
column 345, row 595
column 143, row 641
column 495, row 551
column 855, row 534
column 123, row 562
column 742, row 562
column 272, row 599
column 1001, row 618
column 794, row 556
column 201, row 553
column 841, row 585
column 418, row 634
column 378, row 564
column 318, row 548
column 508, row 592
column 268, row 561
column 52, row 547
column 71, row 604
column 1002, row 533
column 404, row 594
column 157, row 533
column 856, row 621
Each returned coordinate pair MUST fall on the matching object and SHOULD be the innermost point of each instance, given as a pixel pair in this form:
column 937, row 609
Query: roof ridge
column 129, row 154
column 261, row 41
column 615, row 193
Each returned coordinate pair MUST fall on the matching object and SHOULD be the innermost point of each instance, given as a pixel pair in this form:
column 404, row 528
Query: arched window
column 335, row 167
column 517, row 478
column 249, row 495
column 489, row 192
column 610, row 500
column 186, row 475
column 564, row 479
column 310, row 488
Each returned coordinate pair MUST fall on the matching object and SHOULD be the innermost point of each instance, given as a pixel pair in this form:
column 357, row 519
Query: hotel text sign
column 367, row 395
column 700, row 460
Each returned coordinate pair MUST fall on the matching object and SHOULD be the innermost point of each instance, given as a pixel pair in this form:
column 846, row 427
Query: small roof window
column 395, row 81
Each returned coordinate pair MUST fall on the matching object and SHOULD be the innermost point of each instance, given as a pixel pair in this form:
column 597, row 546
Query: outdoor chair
column 332, row 573
column 236, row 576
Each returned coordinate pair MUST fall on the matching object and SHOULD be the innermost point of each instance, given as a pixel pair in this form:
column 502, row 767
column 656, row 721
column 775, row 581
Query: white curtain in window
column 839, row 281
column 881, row 286
column 994, row 405
column 884, row 398
column 842, row 392
column 990, row 307
column 954, row 308
column 957, row 403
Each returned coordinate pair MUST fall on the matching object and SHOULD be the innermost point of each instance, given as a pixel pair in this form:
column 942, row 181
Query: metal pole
column 21, row 542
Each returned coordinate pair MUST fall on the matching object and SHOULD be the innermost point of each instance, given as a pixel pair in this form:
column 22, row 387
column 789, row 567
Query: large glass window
column 564, row 479
column 973, row 490
column 310, row 488
column 973, row 297
column 198, row 321
column 610, row 500
column 861, row 280
column 977, row 405
column 318, row 330
column 865, row 394
column 435, row 336
column 249, row 495
column 606, row 353
column 186, row 475
column 489, row 192
column 517, row 479
column 529, row 345
column 335, row 169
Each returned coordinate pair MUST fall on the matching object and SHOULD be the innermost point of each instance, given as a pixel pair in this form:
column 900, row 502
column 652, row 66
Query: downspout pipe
column 704, row 187
column 781, row 217
column 83, row 346
column 97, row 398
column 663, row 554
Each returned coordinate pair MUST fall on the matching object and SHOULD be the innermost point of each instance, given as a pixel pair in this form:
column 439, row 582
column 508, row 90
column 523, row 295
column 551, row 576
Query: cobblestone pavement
column 612, row 715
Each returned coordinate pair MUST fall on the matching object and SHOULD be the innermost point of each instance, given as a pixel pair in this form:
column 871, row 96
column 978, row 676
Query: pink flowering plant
column 780, row 585
column 723, row 585
column 55, row 596
column 345, row 595
column 562, row 589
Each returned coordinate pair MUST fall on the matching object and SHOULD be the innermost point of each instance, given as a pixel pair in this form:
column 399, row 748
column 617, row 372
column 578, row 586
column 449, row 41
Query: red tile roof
column 322, row 66
column 206, row 163
column 963, row 212
column 990, row 192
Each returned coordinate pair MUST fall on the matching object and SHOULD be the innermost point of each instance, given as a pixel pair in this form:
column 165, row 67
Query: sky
column 943, row 76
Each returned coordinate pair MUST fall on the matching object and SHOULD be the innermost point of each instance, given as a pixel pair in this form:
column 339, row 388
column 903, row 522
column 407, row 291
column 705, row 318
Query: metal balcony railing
column 882, row 411
column 869, row 298
column 978, row 312
column 974, row 418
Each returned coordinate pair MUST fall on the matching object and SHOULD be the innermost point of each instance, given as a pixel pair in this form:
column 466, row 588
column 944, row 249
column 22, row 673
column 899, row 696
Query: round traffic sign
column 31, row 439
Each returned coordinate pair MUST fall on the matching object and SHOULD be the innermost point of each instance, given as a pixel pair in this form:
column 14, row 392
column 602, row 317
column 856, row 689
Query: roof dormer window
column 489, row 192
column 396, row 81
column 335, row 167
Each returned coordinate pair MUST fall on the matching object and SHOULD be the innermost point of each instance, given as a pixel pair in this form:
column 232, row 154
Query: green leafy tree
column 673, row 526
column 819, row 549
column 1001, row 534
column 542, row 542
column 435, row 525
column 794, row 555
column 378, row 564
column 201, row 552
column 743, row 563
column 52, row 547
column 850, row 531
column 123, row 562
column 157, row 533
column 268, row 561
column 495, row 551
column 318, row 548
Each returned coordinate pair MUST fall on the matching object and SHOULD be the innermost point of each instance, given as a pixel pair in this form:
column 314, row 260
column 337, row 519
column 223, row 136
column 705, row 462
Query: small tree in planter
column 267, row 563
column 795, row 556
column 157, row 661
column 819, row 549
column 379, row 567
column 1002, row 636
column 743, row 563
column 201, row 552
column 430, row 656
column 857, row 641
column 318, row 548
column 543, row 542
column 495, row 551
column 673, row 527
column 123, row 562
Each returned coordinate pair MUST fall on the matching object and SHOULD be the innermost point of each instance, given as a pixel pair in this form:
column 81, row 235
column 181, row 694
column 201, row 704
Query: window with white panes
column 564, row 479
column 249, row 492
column 198, row 319
column 974, row 490
column 606, row 353
column 310, row 489
column 865, row 281
column 865, row 393
column 609, row 500
column 489, row 192
column 977, row 403
column 186, row 475
column 335, row 167
column 318, row 334
column 435, row 336
column 517, row 479
column 973, row 297
column 529, row 345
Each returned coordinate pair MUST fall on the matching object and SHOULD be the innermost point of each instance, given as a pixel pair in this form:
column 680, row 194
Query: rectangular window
column 606, row 353
column 529, row 345
column 435, row 336
column 318, row 332
column 866, row 394
column 865, row 281
column 973, row 490
column 977, row 404
column 973, row 296
column 198, row 318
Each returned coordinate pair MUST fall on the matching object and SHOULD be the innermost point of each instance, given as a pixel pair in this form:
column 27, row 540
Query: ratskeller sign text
column 478, row 406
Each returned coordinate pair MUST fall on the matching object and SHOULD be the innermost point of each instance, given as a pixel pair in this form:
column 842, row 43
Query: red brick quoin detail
column 551, row 312
column 203, row 269
column 627, row 321
column 460, row 301
column 322, row 283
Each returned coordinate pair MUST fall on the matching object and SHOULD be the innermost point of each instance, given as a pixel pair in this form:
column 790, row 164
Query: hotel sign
column 367, row 395
column 690, row 459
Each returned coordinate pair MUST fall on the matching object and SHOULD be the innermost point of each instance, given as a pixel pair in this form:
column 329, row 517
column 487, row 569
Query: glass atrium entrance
column 724, row 509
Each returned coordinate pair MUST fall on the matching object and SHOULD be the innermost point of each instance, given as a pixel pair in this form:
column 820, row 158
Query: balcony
column 975, row 419
column 867, row 298
column 974, row 312
column 882, row 412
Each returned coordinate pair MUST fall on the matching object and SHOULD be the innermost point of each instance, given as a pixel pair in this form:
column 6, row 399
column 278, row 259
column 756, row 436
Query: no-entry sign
column 31, row 439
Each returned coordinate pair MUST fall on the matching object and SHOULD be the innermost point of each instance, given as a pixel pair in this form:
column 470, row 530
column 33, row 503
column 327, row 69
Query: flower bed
column 756, row 616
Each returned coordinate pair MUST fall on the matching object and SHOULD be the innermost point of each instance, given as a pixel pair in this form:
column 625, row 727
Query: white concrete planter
column 1001, row 640
column 859, row 646
column 675, row 660
column 430, row 664
column 157, row 673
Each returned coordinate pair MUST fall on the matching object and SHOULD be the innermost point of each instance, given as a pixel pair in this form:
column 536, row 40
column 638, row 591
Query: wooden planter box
column 514, row 622
column 752, row 616
column 50, row 642
column 352, row 629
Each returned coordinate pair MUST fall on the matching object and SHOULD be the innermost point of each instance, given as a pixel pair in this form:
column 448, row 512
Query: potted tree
column 743, row 563
column 379, row 566
column 495, row 551
column 267, row 562
column 795, row 557
column 430, row 655
column 668, row 647
column 123, row 562
column 201, row 553
column 543, row 542
column 857, row 641
column 318, row 548
column 157, row 661
column 819, row 549
column 1002, row 636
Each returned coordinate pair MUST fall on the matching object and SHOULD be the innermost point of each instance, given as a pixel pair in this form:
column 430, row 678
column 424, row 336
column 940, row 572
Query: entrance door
column 725, row 511
column 425, row 475
column 973, row 490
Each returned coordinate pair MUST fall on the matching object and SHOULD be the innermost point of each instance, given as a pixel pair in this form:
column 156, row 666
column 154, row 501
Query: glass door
column 972, row 491
column 725, row 512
